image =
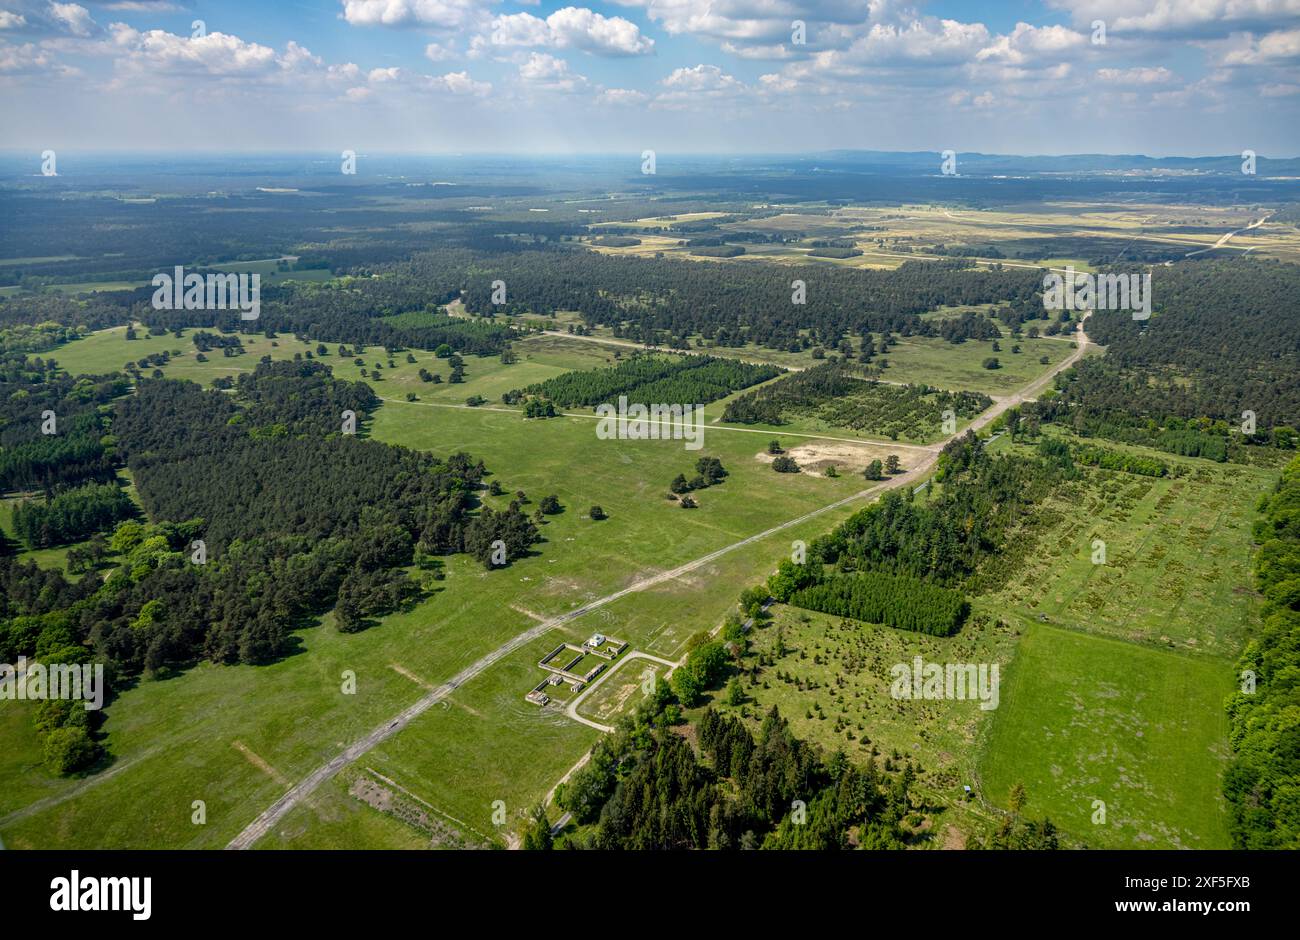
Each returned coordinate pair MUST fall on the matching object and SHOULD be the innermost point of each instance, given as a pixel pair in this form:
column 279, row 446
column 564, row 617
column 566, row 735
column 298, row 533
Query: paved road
column 299, row 791
column 1223, row 239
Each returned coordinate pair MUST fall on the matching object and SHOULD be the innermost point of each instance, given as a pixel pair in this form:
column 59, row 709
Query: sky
column 1158, row 77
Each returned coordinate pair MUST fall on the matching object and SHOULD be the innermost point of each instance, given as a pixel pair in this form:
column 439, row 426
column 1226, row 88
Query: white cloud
column 700, row 78
column 699, row 85
column 24, row 58
column 143, row 6
column 1275, row 48
column 1207, row 17
column 439, row 51
column 215, row 54
column 1028, row 43
column 441, row 14
column 459, row 83
column 1135, row 76
column 919, row 42
column 544, row 72
column 572, row 28
column 11, row 20
column 74, row 18
column 618, row 97
column 761, row 21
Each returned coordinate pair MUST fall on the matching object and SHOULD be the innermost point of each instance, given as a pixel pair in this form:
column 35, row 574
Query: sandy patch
column 816, row 456
column 403, row 671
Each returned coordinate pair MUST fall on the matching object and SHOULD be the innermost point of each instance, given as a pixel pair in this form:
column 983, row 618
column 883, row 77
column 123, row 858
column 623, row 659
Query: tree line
column 1262, row 780
column 652, row 379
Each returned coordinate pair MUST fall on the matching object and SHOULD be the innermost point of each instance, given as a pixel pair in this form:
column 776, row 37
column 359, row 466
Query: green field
column 1085, row 718
column 1177, row 557
column 833, row 685
column 621, row 690
column 957, row 366
column 1082, row 715
column 1117, row 689
column 540, row 357
column 187, row 738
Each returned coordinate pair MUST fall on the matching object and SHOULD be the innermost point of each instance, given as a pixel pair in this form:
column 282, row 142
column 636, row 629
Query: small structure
column 564, row 662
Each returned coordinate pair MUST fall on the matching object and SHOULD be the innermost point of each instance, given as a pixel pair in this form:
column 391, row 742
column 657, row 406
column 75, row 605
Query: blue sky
column 1022, row 76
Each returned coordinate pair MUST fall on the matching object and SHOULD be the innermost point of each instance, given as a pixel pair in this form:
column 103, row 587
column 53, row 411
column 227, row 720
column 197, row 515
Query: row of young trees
column 798, row 391
column 836, row 392
column 896, row 600
column 1107, row 459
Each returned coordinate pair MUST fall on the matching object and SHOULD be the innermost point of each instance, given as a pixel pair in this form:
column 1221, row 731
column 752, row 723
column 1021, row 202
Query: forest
column 53, row 427
column 896, row 600
column 1262, row 781
column 646, row 788
column 72, row 515
column 666, row 301
column 1224, row 339
column 263, row 517
column 652, row 379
